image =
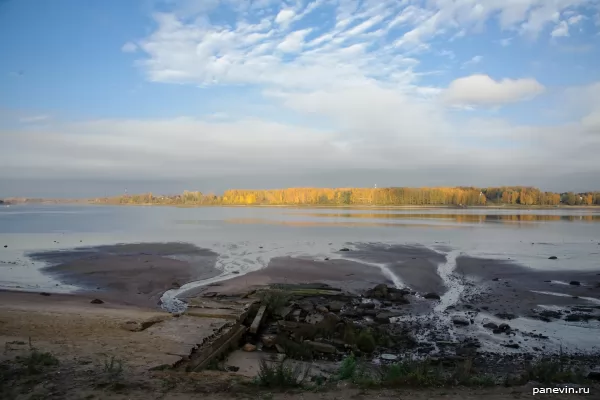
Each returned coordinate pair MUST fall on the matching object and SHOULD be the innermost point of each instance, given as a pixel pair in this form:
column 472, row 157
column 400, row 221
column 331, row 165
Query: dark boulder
column 378, row 292
column 97, row 301
column 384, row 317
column 594, row 375
column 575, row 283
column 490, row 325
column 506, row 316
column 432, row 296
column 460, row 321
column 397, row 298
column 552, row 258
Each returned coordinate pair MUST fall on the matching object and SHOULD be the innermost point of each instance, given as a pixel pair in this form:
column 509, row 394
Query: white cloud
column 575, row 19
column 294, row 41
column 285, row 16
column 359, row 75
column 129, row 47
column 482, row 90
column 473, row 61
column 561, row 29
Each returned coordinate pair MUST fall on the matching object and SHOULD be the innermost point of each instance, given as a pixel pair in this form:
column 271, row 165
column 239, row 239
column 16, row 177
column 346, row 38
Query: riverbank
column 380, row 302
column 16, row 202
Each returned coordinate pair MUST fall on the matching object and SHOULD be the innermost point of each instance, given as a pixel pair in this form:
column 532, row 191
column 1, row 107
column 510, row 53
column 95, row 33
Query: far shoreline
column 308, row 206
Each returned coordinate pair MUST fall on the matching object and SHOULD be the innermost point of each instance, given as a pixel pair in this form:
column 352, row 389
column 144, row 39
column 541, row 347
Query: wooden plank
column 258, row 319
column 219, row 347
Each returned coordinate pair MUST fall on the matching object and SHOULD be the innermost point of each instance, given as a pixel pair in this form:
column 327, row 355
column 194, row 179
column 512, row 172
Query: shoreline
column 439, row 309
column 316, row 206
column 168, row 275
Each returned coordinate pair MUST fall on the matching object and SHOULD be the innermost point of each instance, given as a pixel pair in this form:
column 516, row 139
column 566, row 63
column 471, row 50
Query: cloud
column 472, row 61
column 349, row 94
column 285, row 16
column 293, row 42
column 481, row 90
column 561, row 29
column 129, row 47
column 528, row 17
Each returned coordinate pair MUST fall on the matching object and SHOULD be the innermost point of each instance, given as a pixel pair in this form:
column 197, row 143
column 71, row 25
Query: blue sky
column 215, row 93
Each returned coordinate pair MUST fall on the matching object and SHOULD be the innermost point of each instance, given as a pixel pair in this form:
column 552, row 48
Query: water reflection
column 460, row 218
column 349, row 224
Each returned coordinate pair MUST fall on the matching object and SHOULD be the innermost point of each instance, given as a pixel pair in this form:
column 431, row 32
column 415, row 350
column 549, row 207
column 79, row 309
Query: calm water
column 238, row 233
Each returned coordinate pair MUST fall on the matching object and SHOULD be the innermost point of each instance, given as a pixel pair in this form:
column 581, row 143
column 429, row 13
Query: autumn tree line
column 394, row 196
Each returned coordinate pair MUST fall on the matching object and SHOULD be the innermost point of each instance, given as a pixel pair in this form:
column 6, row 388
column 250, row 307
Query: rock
column 575, row 283
column 432, row 296
column 322, row 309
column 232, row 368
column 321, row 347
column 45, row 294
column 369, row 313
column 344, row 249
column 378, row 292
column 331, row 318
column 350, row 314
column 384, row 317
column 490, row 325
column 506, row 316
column 496, row 279
column 326, row 258
column 249, row 347
column 460, row 321
column 446, row 343
column 280, row 349
column 511, row 345
column 314, row 318
column 504, row 328
column 175, row 285
column 97, row 301
column 550, row 314
column 552, row 258
column 594, row 375
column 268, row 340
column 336, row 306
column 578, row 317
column 295, row 316
column 388, row 357
column 5, row 246
column 282, row 312
column 397, row 298
column 367, row 306
column 307, row 306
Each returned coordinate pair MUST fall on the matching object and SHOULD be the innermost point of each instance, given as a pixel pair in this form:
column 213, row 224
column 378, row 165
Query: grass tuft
column 274, row 299
column 281, row 375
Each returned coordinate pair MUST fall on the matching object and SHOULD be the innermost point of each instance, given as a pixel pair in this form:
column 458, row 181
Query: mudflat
column 136, row 273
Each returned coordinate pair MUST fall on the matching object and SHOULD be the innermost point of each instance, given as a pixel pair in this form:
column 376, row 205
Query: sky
column 99, row 97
